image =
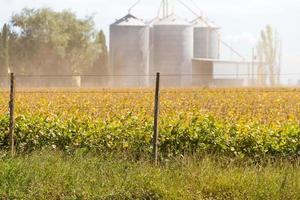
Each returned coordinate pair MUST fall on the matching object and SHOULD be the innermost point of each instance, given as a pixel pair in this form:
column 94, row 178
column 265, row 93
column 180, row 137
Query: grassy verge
column 55, row 175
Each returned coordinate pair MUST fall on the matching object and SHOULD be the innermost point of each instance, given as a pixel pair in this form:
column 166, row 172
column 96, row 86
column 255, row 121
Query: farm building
column 186, row 53
column 129, row 51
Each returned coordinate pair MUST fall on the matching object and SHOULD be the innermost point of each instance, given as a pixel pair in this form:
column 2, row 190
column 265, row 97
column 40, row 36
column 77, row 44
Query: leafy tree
column 101, row 64
column 268, row 50
column 4, row 50
column 50, row 42
column 1, row 55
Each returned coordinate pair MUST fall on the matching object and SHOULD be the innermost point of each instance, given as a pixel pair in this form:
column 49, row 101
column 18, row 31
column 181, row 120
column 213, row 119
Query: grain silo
column 129, row 51
column 206, row 39
column 172, row 50
column 151, row 50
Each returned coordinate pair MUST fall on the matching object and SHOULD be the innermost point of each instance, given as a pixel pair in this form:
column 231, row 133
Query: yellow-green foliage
column 236, row 122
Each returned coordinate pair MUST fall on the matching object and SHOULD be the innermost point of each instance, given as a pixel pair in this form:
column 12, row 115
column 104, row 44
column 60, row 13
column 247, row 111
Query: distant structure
column 172, row 50
column 185, row 53
column 129, row 51
column 206, row 39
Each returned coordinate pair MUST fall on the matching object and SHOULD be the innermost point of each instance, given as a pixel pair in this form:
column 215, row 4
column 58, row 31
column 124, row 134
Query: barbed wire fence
column 154, row 86
column 169, row 80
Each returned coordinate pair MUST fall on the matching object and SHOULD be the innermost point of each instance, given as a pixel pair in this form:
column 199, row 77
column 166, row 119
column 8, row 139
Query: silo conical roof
column 154, row 21
column 172, row 20
column 199, row 22
column 129, row 20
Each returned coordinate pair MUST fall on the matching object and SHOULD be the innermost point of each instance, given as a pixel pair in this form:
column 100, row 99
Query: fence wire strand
column 146, row 75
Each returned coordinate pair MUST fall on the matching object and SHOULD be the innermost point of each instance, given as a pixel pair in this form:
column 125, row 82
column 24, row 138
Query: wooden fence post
column 156, row 113
column 11, row 113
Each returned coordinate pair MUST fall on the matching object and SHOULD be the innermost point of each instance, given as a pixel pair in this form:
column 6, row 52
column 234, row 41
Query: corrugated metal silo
column 151, row 43
column 129, row 51
column 206, row 40
column 172, row 50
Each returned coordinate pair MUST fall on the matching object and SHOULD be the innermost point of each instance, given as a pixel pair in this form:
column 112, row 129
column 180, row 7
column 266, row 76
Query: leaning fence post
column 156, row 112
column 11, row 113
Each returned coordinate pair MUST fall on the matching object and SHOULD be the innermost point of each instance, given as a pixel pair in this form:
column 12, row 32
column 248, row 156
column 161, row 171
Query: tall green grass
column 55, row 175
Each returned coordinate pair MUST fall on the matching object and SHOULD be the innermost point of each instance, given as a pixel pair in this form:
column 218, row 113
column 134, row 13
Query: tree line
column 269, row 56
column 43, row 41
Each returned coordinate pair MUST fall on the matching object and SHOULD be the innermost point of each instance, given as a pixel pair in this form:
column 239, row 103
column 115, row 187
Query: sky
column 240, row 20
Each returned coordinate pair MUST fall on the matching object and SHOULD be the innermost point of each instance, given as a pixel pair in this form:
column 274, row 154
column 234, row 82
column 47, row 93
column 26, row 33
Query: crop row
column 200, row 134
column 254, row 123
